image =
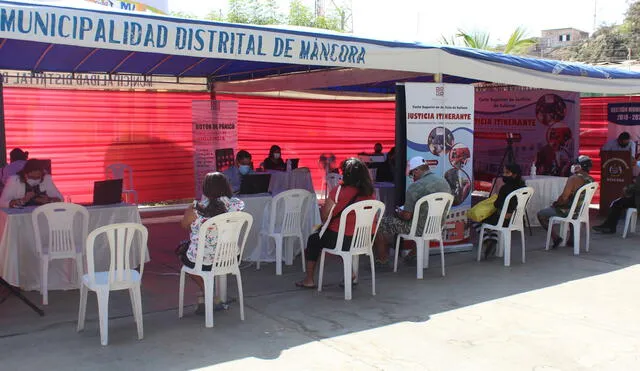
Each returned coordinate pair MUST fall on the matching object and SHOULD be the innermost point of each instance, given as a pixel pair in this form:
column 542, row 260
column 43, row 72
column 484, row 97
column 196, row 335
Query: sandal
column 301, row 285
column 381, row 264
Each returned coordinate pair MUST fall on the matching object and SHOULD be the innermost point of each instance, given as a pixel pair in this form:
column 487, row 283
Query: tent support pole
column 3, row 139
column 437, row 78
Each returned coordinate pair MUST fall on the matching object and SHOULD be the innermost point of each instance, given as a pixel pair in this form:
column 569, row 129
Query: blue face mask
column 244, row 169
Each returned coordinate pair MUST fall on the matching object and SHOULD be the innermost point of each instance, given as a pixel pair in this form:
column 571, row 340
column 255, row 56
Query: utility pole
column 595, row 13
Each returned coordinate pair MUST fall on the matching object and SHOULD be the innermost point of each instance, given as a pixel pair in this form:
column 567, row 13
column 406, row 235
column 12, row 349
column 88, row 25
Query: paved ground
column 556, row 312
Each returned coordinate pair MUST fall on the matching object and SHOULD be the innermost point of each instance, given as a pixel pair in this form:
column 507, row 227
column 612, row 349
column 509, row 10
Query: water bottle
column 533, row 170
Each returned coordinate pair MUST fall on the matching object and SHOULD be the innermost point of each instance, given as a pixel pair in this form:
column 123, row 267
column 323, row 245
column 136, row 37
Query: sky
column 428, row 20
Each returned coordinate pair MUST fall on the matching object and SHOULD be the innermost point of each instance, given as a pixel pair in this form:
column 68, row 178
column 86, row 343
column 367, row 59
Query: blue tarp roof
column 44, row 38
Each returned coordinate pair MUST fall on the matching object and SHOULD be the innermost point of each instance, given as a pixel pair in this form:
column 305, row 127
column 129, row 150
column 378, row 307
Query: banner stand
column 3, row 136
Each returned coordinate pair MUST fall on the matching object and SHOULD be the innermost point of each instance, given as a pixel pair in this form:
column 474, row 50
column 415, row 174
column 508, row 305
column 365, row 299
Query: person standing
column 622, row 143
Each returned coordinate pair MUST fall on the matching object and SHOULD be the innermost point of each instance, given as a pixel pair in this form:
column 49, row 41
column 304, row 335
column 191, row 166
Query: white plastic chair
column 294, row 204
column 630, row 222
column 124, row 172
column 439, row 205
column 232, row 230
column 578, row 214
column 62, row 242
column 331, row 181
column 121, row 276
column 368, row 215
column 514, row 224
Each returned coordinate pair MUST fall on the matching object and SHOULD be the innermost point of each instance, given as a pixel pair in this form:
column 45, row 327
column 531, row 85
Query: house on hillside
column 560, row 37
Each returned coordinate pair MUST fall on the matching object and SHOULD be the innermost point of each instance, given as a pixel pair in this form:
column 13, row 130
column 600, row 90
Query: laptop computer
column 294, row 163
column 254, row 183
column 107, row 192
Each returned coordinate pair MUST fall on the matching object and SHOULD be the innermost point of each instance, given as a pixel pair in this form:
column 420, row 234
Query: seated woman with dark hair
column 356, row 186
column 217, row 200
column 512, row 177
column 32, row 186
column 275, row 161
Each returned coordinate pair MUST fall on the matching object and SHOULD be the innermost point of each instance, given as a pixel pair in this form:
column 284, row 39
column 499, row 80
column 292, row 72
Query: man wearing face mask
column 275, row 161
column 30, row 187
column 561, row 206
column 424, row 183
column 243, row 166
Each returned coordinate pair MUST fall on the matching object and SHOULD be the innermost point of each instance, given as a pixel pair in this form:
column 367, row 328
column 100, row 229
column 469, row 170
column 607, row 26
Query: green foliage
column 300, row 15
column 476, row 40
column 183, row 15
column 518, row 42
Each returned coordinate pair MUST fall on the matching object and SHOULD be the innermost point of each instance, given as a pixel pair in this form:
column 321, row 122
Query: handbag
column 483, row 209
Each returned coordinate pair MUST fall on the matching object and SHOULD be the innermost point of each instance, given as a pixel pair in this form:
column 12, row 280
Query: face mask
column 244, row 169
column 575, row 168
column 33, row 182
column 276, row 156
column 507, row 179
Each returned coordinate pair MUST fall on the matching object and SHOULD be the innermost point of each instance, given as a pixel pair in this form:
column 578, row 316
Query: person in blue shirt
column 243, row 166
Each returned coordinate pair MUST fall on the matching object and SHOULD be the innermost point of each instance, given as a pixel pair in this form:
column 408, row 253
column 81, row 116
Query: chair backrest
column 232, row 230
column 580, row 206
column 522, row 195
column 333, row 180
column 368, row 216
column 439, row 204
column 61, row 219
column 121, row 171
column 293, row 203
column 119, row 238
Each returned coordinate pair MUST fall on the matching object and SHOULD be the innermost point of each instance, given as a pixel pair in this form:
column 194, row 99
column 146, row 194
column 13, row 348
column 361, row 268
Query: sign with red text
column 542, row 125
column 440, row 130
column 215, row 126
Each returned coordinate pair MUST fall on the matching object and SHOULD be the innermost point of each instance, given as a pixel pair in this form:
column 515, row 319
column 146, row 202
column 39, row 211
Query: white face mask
column 33, row 182
column 276, row 156
column 575, row 168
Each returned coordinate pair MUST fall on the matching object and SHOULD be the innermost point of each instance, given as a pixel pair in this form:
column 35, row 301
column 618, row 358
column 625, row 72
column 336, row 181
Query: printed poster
column 542, row 125
column 440, row 129
column 214, row 127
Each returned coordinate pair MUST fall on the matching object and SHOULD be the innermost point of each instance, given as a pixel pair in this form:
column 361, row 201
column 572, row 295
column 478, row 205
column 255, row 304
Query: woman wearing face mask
column 30, row 187
column 512, row 177
column 275, row 161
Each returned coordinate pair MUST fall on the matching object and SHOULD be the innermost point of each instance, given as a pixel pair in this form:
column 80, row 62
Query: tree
column 183, row 15
column 518, row 42
column 476, row 40
column 608, row 44
column 300, row 15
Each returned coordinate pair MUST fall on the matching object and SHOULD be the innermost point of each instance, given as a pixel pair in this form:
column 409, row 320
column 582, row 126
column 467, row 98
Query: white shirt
column 613, row 145
column 11, row 170
column 14, row 189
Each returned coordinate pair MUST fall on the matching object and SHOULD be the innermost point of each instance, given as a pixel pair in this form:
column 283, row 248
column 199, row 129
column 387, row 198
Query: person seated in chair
column 243, row 166
column 217, row 199
column 561, row 206
column 512, row 178
column 275, row 161
column 424, row 183
column 30, row 187
column 629, row 199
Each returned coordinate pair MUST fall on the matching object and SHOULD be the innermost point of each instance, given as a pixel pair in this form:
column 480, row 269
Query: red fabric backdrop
column 84, row 131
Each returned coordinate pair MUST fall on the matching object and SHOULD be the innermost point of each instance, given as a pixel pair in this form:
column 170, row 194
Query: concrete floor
column 556, row 312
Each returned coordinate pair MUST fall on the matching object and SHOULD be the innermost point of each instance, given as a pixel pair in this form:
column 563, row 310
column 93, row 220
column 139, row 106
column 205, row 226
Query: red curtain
column 84, row 131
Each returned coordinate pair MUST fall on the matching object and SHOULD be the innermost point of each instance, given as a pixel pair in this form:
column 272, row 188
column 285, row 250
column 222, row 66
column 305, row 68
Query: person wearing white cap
column 424, row 183
column 580, row 170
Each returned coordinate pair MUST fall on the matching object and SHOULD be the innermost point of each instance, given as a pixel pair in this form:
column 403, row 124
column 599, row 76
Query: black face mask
column 508, row 179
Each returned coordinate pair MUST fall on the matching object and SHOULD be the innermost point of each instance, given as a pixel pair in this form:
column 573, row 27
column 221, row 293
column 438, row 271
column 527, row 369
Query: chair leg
column 181, row 294
column 634, row 221
column 79, row 268
column 587, row 235
column 480, row 243
column 44, row 280
column 522, row 242
column 240, row 295
column 278, row 255
column 355, row 266
column 321, row 271
column 506, row 245
column 373, row 274
column 548, row 235
column 397, row 254
column 442, row 256
column 627, row 224
column 420, row 258
column 576, row 238
column 138, row 308
column 347, row 261
column 103, row 315
column 304, row 261
column 82, row 311
column 208, row 299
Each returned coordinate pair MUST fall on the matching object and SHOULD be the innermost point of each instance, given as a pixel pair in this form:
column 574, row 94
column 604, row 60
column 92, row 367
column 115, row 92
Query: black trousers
column 315, row 244
column 618, row 207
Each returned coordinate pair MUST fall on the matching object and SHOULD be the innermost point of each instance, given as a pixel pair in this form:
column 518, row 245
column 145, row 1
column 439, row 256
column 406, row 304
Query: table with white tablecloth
column 547, row 190
column 19, row 260
column 285, row 180
column 259, row 245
